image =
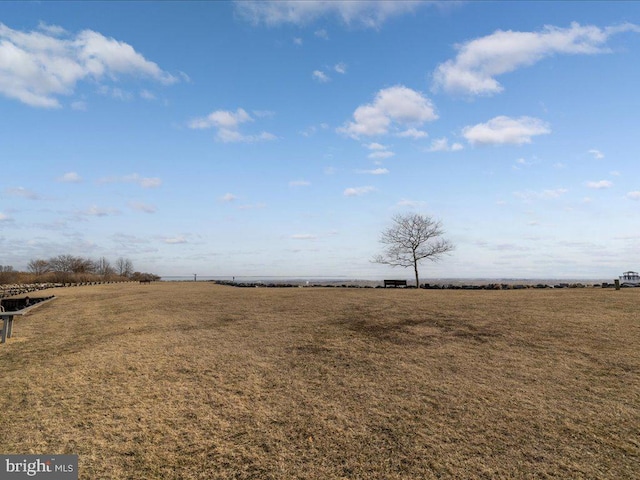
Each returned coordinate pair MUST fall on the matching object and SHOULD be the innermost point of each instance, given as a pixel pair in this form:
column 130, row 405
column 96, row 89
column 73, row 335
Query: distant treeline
column 73, row 269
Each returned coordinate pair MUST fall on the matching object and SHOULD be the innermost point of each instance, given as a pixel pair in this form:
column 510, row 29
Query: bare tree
column 62, row 263
column 38, row 267
column 103, row 267
column 410, row 239
column 124, row 267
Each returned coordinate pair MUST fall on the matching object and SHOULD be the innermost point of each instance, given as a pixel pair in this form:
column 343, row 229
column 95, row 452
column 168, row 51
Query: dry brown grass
column 186, row 381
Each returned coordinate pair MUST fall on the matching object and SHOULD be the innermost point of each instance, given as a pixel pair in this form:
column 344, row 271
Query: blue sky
column 279, row 138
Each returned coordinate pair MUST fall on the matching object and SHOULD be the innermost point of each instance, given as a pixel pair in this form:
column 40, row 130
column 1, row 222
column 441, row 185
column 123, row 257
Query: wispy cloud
column 480, row 61
column 70, row 177
column 600, row 184
column 144, row 182
column 320, row 76
column 529, row 195
column 412, row 133
column 358, row 191
column 375, row 146
column 50, row 62
column 299, row 183
column 503, row 130
column 142, row 207
column 228, row 197
column 365, row 13
column 375, row 171
column 597, row 154
column 95, row 211
column 22, row 193
column 381, row 154
column 227, row 124
column 634, row 195
column 410, row 203
column 147, row 95
column 341, row 68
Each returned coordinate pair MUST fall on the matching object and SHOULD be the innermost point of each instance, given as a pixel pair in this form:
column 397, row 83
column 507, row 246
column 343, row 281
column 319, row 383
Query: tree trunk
column 415, row 269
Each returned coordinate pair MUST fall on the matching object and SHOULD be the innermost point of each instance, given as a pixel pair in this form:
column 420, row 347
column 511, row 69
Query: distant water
column 258, row 279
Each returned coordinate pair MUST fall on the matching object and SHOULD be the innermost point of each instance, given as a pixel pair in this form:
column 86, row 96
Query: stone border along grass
column 427, row 286
column 10, row 290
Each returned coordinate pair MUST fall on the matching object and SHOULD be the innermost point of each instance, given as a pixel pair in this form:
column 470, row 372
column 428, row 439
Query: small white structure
column 630, row 278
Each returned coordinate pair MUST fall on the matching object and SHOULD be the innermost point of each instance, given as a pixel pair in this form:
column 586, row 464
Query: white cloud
column 149, row 182
column 3, row 217
column 228, row 122
column 479, row 61
column 398, row 104
column 79, row 105
column 142, row 207
column 144, row 182
column 147, row 95
column 95, row 211
column 529, row 195
column 600, row 184
column 505, row 130
column 358, row 191
column 340, row 68
column 320, row 76
column 299, row 183
column 381, row 154
column 115, row 92
column 39, row 66
column 412, row 133
column 376, row 171
column 442, row 145
column 22, row 192
column 228, row 197
column 634, row 195
column 233, row 136
column 70, row 177
column 297, row 41
column 221, row 119
column 375, row 146
column 322, row 33
column 597, row 154
column 366, row 13
column 410, row 203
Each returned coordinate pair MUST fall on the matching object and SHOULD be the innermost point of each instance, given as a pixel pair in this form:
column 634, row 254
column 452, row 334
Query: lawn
column 201, row 381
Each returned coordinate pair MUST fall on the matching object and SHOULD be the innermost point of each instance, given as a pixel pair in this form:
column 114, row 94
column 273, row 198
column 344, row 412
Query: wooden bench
column 395, row 283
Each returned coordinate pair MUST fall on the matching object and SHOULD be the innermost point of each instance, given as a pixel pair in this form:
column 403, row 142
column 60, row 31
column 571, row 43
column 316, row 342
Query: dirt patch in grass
column 198, row 381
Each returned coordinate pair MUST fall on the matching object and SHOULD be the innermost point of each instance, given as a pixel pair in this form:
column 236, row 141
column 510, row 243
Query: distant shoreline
column 435, row 283
column 338, row 278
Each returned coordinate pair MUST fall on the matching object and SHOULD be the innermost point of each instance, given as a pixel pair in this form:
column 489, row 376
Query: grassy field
column 195, row 380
